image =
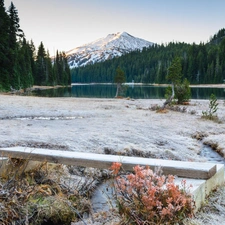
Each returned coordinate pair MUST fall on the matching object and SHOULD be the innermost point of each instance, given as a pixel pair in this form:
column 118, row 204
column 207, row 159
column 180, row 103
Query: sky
column 66, row 24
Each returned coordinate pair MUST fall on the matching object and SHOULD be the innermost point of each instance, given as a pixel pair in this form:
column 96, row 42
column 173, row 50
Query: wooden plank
column 184, row 169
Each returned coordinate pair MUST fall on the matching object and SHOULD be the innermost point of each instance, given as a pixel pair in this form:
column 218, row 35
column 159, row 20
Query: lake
column 132, row 91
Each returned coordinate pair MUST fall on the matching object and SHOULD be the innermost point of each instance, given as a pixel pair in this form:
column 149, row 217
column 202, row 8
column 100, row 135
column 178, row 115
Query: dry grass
column 39, row 195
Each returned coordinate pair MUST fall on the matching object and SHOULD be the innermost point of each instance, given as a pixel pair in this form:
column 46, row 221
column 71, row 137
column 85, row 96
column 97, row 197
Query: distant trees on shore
column 51, row 71
column 201, row 63
column 20, row 66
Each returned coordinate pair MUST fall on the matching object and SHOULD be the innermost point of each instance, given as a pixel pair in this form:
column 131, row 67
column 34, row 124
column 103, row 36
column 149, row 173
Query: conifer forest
column 21, row 65
column 201, row 63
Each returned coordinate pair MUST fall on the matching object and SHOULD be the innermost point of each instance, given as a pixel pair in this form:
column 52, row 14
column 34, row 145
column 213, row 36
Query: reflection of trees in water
column 53, row 92
column 204, row 93
column 97, row 91
column 135, row 91
column 146, row 92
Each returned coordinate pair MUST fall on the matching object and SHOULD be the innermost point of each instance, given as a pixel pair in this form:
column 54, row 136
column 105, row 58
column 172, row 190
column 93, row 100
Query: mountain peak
column 118, row 34
column 124, row 34
column 112, row 45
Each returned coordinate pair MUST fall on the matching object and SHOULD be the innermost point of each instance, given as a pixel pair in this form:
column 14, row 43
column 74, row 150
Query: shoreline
column 157, row 85
column 37, row 87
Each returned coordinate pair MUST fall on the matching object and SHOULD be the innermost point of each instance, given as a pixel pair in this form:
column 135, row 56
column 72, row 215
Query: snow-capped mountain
column 105, row 48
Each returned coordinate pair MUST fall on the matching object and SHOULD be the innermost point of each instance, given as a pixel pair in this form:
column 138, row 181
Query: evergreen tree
column 40, row 76
column 14, row 33
column 183, row 92
column 179, row 90
column 119, row 79
column 174, row 76
column 56, row 68
column 4, row 48
column 66, row 70
column 32, row 54
column 49, row 70
column 60, row 68
column 174, row 71
column 24, row 65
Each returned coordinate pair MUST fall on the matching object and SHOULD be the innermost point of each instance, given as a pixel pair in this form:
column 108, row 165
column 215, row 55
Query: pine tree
column 174, row 76
column 66, row 70
column 4, row 47
column 40, row 76
column 14, row 33
column 56, row 68
column 119, row 79
column 24, row 65
column 32, row 54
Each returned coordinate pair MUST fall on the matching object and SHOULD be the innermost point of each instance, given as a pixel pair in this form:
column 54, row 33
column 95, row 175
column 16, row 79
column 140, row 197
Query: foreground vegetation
column 147, row 197
column 39, row 195
column 42, row 196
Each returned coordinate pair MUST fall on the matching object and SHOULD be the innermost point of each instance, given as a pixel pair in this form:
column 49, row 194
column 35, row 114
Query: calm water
column 137, row 91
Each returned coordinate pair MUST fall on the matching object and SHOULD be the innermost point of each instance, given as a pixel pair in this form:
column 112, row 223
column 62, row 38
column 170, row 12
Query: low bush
column 146, row 197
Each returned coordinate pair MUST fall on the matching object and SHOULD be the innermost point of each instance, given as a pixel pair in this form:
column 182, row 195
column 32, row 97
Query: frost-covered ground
column 90, row 125
column 123, row 125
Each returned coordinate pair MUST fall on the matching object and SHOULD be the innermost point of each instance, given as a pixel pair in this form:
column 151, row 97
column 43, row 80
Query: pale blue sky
column 66, row 24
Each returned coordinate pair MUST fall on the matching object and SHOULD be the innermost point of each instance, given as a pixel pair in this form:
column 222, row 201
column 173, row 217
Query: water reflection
column 204, row 93
column 136, row 91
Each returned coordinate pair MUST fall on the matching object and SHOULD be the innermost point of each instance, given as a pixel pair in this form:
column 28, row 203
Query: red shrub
column 145, row 197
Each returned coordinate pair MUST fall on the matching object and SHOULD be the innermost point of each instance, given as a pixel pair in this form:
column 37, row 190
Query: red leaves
column 148, row 196
column 115, row 168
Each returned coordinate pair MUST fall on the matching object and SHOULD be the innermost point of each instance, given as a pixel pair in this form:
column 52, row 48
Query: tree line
column 21, row 65
column 201, row 63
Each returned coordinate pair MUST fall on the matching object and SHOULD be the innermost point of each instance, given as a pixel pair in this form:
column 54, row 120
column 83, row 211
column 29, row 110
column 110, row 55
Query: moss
column 54, row 209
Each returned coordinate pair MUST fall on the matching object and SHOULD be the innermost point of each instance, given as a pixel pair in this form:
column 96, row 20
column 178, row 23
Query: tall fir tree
column 24, row 65
column 56, row 68
column 66, row 70
column 49, row 70
column 32, row 54
column 40, row 76
column 14, row 33
column 4, row 47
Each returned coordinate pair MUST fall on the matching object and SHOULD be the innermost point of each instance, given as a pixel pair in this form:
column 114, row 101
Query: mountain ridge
column 113, row 45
